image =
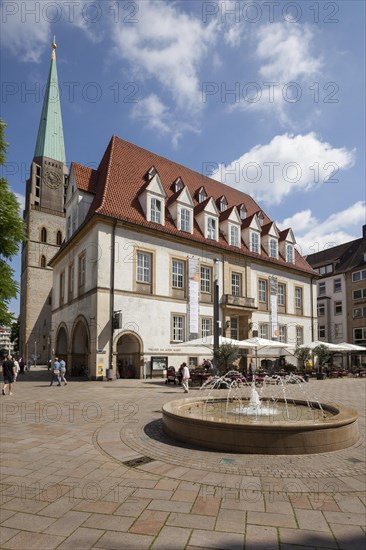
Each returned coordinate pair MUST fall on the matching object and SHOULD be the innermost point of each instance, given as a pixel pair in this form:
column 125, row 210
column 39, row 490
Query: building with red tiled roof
column 135, row 275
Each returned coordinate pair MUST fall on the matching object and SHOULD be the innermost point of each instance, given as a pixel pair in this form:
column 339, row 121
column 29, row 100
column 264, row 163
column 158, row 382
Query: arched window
column 43, row 235
column 59, row 238
column 43, row 261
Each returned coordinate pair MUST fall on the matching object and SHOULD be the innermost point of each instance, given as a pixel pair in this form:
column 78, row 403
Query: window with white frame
column 202, row 195
column 359, row 336
column 211, row 228
column 321, row 288
column 359, row 275
column 360, row 293
column 206, row 278
column 273, row 248
column 234, row 328
column 206, row 327
column 321, row 310
column 337, row 308
column 337, row 285
column 321, row 331
column 178, row 328
column 177, row 274
column 234, row 235
column 185, row 220
column 242, row 212
column 143, row 267
column 260, row 218
column 338, row 330
column 359, row 312
column 254, row 241
column 236, row 284
column 223, row 204
column 298, row 297
column 299, row 335
column 290, row 253
column 324, row 269
column 281, row 294
column 263, row 330
column 282, row 333
column 262, row 290
column 155, row 210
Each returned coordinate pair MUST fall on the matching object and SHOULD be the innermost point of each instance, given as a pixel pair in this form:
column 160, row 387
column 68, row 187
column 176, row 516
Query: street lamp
column 35, row 353
column 216, row 305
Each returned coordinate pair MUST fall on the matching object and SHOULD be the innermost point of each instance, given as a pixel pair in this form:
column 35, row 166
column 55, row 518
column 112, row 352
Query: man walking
column 8, row 373
column 185, row 377
column 55, row 372
column 63, row 371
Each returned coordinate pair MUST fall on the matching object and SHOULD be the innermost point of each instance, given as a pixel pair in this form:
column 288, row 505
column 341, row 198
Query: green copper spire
column 50, row 139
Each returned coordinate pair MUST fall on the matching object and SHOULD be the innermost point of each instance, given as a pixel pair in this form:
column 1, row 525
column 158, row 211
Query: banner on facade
column 273, row 307
column 193, row 290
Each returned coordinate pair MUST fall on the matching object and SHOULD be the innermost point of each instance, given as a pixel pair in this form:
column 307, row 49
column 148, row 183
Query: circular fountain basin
column 235, row 427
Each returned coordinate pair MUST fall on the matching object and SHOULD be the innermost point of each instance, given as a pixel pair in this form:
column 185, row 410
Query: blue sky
column 268, row 96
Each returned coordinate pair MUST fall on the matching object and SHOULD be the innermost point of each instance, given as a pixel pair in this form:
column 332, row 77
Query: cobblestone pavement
column 87, row 466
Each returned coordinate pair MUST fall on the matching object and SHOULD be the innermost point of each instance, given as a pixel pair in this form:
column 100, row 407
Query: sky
column 265, row 96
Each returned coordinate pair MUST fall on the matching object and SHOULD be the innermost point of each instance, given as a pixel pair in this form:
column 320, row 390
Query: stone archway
column 128, row 350
column 80, row 351
column 62, row 343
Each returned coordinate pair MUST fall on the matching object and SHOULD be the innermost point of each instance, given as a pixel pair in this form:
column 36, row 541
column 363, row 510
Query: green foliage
column 323, row 354
column 302, row 354
column 12, row 232
column 224, row 357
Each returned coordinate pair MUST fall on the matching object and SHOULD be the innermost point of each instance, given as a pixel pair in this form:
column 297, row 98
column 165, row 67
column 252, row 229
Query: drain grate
column 354, row 460
column 227, row 461
column 140, row 461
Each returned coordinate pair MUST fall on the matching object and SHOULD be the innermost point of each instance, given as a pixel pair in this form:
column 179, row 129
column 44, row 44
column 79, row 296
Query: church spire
column 50, row 139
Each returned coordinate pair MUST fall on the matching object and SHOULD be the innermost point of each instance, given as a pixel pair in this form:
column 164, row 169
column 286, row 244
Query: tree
column 323, row 354
column 302, row 354
column 12, row 232
column 224, row 356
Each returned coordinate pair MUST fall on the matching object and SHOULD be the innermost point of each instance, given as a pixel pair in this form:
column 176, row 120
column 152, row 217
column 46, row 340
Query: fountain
column 232, row 415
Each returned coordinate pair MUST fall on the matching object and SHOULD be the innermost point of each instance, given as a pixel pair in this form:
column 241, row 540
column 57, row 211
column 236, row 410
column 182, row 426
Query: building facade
column 45, row 222
column 341, row 292
column 6, row 345
column 146, row 239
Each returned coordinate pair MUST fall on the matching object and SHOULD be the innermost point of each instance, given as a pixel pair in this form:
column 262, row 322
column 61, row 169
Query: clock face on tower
column 52, row 179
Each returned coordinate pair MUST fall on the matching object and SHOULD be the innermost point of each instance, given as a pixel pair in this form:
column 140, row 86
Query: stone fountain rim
column 343, row 416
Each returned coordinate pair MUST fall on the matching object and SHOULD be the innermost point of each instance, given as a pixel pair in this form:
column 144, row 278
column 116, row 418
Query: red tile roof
column 121, row 176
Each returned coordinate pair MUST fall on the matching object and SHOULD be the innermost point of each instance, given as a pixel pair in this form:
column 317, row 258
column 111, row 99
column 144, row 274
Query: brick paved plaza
column 87, row 466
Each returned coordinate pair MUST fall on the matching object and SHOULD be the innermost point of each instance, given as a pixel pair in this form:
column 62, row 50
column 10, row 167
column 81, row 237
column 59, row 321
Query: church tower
column 45, row 221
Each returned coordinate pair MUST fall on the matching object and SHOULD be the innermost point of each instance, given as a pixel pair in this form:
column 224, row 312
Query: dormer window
column 178, row 185
column 202, row 195
column 211, row 228
column 273, row 248
column 152, row 172
column 254, row 241
column 223, row 204
column 234, row 236
column 243, row 212
column 260, row 218
column 290, row 254
column 185, row 220
column 155, row 210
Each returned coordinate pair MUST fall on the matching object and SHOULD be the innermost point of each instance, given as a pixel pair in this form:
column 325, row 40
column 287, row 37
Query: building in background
column 6, row 345
column 146, row 241
column 45, row 223
column 341, row 291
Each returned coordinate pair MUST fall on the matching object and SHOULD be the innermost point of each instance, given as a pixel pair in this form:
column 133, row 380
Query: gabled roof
column 227, row 213
column 85, row 178
column 344, row 257
column 121, row 175
column 266, row 228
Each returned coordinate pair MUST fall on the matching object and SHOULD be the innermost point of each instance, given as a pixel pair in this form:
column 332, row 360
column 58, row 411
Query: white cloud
column 287, row 69
column 168, row 46
column 313, row 235
column 21, row 200
column 287, row 164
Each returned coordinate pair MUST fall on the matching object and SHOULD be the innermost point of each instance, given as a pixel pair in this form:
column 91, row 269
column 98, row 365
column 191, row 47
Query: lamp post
column 216, row 305
column 35, row 353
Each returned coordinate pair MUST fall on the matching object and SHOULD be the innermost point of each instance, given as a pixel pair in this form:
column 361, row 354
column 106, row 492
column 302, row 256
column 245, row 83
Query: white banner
column 274, row 316
column 193, row 289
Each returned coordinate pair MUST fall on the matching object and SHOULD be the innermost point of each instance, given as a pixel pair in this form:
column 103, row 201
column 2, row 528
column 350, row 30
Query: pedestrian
column 55, row 372
column 63, row 371
column 8, row 374
column 185, row 377
column 16, row 368
column 21, row 365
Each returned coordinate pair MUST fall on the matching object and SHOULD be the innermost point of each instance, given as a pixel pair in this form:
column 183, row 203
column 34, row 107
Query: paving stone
column 33, row 541
column 345, row 518
column 133, row 507
column 28, row 522
column 170, row 537
column 190, row 520
column 263, row 538
column 108, row 522
column 59, row 507
column 351, row 504
column 209, row 539
column 66, row 524
column 113, row 540
column 231, row 521
column 7, row 533
column 81, row 539
column 306, row 537
column 270, row 518
column 206, row 507
column 149, row 523
column 98, row 507
column 349, row 537
column 5, row 514
column 24, row 505
column 170, row 506
column 311, row 519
